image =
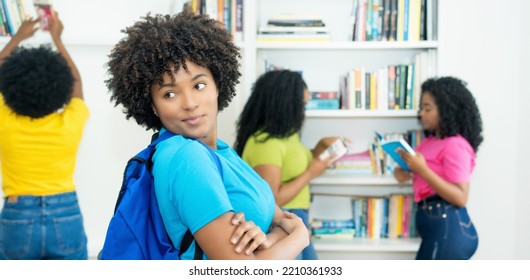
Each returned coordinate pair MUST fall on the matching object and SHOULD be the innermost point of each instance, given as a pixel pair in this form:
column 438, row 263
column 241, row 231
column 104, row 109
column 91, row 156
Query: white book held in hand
column 335, row 150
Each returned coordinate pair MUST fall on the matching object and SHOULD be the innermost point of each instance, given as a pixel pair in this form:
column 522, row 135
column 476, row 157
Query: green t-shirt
column 289, row 154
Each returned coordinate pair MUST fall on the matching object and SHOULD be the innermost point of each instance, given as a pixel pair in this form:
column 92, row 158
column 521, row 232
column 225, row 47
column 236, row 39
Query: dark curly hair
column 457, row 109
column 35, row 82
column 156, row 44
column 276, row 106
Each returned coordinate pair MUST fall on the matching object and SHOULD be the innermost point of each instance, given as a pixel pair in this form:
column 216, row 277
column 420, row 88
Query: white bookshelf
column 321, row 64
column 365, row 248
column 350, row 45
column 368, row 245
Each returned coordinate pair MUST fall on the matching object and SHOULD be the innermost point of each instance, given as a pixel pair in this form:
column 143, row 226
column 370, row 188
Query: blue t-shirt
column 191, row 192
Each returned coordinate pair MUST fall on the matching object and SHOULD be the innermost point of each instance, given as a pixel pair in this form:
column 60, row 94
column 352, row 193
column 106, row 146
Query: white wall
column 522, row 224
column 478, row 43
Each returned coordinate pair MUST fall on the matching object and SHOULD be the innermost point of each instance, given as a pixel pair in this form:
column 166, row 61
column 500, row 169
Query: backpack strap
column 188, row 237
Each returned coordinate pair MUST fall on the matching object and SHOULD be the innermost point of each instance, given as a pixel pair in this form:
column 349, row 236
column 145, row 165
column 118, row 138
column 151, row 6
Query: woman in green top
column 268, row 139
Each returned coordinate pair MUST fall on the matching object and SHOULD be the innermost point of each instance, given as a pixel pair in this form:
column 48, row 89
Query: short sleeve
column 196, row 188
column 267, row 152
column 458, row 161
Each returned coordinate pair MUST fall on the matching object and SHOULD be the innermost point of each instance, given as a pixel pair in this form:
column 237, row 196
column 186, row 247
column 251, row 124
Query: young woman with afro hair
column 42, row 118
column 174, row 74
column 442, row 167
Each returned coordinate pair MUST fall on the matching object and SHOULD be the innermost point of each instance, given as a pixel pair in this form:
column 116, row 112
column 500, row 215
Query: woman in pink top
column 442, row 167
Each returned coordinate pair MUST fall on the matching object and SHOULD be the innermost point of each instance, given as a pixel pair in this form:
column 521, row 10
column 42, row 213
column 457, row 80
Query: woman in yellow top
column 268, row 139
column 42, row 116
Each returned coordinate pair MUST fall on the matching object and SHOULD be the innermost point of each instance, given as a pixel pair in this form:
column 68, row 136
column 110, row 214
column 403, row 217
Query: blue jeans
column 42, row 227
column 446, row 231
column 309, row 252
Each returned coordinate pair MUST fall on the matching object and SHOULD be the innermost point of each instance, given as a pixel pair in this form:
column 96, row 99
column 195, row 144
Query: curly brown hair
column 162, row 44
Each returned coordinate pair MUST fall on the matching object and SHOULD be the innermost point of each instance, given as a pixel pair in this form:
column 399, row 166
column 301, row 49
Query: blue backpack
column 136, row 230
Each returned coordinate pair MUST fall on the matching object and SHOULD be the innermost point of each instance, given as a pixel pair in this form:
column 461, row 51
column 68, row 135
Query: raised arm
column 56, row 30
column 26, row 30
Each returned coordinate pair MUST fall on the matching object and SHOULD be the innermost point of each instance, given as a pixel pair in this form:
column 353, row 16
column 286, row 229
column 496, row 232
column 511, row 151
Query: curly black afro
column 457, row 109
column 35, row 82
column 156, row 44
column 276, row 106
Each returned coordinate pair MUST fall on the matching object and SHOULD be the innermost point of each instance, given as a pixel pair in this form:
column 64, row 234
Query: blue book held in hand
column 390, row 147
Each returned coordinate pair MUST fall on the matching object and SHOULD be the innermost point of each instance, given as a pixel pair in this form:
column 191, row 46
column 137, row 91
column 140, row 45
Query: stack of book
column 333, row 229
column 353, row 163
column 323, row 100
column 283, row 28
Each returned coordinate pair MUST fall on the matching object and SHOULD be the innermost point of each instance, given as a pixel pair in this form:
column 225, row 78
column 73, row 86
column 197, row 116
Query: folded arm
column 215, row 239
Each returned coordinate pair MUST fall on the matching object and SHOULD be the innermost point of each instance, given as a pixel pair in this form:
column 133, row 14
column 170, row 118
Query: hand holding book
column 391, row 148
column 334, row 151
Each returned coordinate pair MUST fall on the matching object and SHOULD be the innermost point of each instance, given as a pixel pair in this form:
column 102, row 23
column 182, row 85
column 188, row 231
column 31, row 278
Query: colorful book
column 44, row 12
column 390, row 147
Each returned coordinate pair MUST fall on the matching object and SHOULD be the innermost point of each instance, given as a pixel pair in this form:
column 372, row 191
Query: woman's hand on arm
column 276, row 233
column 248, row 235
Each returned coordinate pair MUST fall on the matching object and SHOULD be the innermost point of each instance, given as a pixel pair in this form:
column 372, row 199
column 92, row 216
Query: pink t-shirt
column 452, row 158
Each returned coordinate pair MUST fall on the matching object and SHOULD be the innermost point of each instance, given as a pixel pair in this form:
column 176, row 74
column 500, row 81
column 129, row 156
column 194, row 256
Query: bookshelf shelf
column 342, row 185
column 361, row 113
column 46, row 39
column 350, row 45
column 329, row 178
column 368, row 245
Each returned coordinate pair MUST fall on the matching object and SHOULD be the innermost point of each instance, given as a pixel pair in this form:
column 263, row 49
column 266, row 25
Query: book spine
column 403, row 86
column 324, row 95
column 334, row 231
column 322, row 104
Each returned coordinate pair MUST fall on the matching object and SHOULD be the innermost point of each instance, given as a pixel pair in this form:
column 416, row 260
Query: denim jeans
column 309, row 252
column 446, row 231
column 42, row 227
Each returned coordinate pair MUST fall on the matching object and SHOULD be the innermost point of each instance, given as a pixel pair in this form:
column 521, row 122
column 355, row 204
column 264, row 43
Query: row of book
column 384, row 217
column 13, row 12
column 282, row 28
column 323, row 100
column 374, row 160
column 229, row 12
column 391, row 88
column 378, row 217
column 333, row 229
column 395, row 87
column 394, row 20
